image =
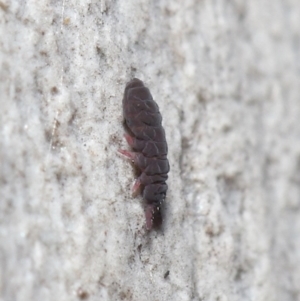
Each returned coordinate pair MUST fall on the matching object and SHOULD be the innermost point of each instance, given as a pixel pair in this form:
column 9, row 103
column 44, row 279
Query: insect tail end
column 153, row 216
column 149, row 217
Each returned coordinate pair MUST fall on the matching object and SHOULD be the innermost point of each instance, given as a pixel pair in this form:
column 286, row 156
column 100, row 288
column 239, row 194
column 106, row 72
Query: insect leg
column 130, row 155
column 136, row 187
column 139, row 160
column 129, row 139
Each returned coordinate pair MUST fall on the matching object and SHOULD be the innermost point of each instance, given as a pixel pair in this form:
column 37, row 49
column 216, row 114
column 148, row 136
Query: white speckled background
column 226, row 75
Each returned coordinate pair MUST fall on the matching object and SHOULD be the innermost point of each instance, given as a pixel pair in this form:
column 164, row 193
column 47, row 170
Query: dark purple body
column 147, row 138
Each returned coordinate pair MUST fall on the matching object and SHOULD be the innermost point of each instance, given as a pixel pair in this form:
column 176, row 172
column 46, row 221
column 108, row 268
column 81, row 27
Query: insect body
column 147, row 138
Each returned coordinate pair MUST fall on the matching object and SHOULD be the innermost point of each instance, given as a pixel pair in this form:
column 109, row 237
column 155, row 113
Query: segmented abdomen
column 147, row 138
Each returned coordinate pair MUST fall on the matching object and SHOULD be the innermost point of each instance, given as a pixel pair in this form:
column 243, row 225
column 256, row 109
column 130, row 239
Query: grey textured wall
column 226, row 75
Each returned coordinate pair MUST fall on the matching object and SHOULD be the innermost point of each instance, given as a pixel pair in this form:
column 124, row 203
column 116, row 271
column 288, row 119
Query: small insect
column 146, row 136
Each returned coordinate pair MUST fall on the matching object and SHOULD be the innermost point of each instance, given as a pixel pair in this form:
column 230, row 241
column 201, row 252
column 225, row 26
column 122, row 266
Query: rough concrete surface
column 226, row 75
